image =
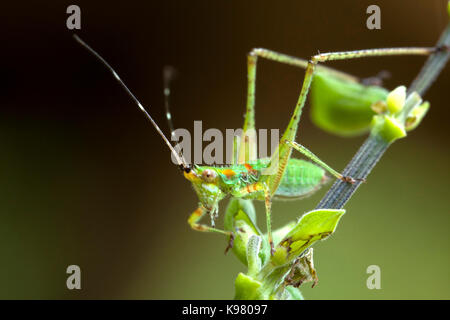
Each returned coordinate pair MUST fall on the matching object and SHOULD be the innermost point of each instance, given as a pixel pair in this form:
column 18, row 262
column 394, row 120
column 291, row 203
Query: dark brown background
column 85, row 179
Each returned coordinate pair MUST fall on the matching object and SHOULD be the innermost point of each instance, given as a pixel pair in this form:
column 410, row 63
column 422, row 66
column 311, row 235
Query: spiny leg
column 246, row 151
column 306, row 152
column 297, row 62
column 268, row 203
column 283, row 152
column 252, row 59
column 235, row 151
column 281, row 156
column 195, row 217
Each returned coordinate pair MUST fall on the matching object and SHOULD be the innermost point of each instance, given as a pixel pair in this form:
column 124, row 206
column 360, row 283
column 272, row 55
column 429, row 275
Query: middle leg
column 306, row 152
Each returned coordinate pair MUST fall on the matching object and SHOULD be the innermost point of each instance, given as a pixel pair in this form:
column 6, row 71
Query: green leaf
column 247, row 288
column 416, row 115
column 343, row 107
column 240, row 219
column 279, row 234
column 312, row 226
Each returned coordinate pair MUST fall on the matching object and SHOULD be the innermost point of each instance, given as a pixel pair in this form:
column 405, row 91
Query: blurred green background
column 85, row 179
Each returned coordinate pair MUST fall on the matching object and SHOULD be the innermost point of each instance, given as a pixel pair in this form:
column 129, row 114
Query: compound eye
column 208, row 175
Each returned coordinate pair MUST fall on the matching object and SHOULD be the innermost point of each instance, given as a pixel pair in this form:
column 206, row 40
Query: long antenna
column 169, row 73
column 181, row 162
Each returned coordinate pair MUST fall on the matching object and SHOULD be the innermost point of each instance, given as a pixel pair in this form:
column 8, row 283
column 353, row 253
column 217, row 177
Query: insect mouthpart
column 190, row 173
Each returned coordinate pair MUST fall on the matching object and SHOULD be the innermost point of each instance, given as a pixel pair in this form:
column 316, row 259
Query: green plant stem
column 374, row 147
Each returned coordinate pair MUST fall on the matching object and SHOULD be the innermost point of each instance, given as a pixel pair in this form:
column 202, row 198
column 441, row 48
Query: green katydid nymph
column 291, row 178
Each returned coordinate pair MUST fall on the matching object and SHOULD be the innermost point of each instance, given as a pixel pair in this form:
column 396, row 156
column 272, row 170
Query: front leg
column 196, row 216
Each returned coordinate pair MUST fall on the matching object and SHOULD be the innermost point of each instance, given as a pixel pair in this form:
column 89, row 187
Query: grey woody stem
column 374, row 147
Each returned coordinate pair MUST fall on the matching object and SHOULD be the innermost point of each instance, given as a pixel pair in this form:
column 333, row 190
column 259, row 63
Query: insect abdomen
column 300, row 179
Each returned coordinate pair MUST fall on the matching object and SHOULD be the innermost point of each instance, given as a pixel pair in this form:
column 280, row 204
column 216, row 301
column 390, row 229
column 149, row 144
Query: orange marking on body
column 248, row 167
column 229, row 173
column 198, row 211
column 252, row 188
